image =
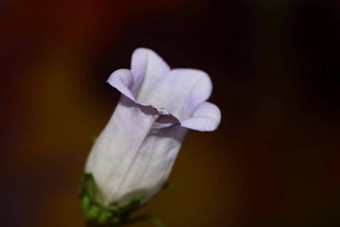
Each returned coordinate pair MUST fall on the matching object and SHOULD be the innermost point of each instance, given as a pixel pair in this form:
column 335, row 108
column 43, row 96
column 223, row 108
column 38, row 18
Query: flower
column 135, row 152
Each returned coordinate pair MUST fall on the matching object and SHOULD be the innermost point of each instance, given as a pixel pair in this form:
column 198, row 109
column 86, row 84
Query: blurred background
column 272, row 162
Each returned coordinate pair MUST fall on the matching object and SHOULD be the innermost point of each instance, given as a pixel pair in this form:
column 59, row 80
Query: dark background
column 272, row 162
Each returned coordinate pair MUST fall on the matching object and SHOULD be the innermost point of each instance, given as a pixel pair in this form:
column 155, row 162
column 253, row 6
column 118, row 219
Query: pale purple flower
column 135, row 152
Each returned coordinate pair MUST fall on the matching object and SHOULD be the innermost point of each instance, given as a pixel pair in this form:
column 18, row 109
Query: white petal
column 121, row 80
column 135, row 152
column 206, row 118
column 147, row 68
column 179, row 92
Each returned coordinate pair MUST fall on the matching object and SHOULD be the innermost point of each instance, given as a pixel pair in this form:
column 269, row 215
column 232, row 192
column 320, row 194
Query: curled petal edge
column 206, row 117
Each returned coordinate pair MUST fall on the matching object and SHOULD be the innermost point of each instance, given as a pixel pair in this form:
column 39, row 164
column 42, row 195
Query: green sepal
column 99, row 215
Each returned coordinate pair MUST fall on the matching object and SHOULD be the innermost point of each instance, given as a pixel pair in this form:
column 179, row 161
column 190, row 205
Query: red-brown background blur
column 272, row 162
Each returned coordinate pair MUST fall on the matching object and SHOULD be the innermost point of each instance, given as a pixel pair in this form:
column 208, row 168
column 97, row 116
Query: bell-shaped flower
column 135, row 152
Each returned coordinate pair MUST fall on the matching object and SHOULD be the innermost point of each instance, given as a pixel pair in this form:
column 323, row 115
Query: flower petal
column 135, row 152
column 147, row 68
column 179, row 92
column 206, row 118
column 121, row 80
